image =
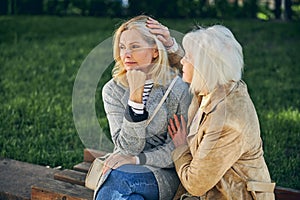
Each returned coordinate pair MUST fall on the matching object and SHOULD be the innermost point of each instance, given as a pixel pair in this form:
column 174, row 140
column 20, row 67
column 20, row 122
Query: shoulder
column 180, row 92
column 180, row 87
column 113, row 88
column 239, row 96
column 181, row 84
column 239, row 106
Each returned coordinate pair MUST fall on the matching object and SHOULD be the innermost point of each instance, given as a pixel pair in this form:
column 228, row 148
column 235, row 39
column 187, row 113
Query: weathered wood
column 71, row 176
column 89, row 155
column 16, row 178
column 282, row 193
column 59, row 190
column 82, row 167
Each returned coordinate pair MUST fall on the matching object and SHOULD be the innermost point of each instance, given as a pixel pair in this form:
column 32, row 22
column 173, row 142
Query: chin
column 185, row 80
column 128, row 68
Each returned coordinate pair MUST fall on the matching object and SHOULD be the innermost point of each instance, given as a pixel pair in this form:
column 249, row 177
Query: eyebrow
column 130, row 43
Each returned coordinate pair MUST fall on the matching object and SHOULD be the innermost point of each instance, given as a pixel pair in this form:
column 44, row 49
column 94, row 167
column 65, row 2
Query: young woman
column 220, row 154
column 142, row 167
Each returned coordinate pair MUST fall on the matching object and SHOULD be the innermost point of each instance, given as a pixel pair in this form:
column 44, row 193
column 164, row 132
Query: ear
column 155, row 53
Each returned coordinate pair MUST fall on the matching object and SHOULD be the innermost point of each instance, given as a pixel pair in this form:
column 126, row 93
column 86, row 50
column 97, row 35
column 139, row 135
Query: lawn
column 40, row 58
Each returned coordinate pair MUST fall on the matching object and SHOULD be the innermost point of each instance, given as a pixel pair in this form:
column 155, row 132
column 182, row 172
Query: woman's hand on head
column 178, row 130
column 136, row 81
column 162, row 32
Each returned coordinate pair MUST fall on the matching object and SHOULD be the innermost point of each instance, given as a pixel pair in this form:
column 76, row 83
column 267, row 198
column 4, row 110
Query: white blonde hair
column 160, row 72
column 216, row 55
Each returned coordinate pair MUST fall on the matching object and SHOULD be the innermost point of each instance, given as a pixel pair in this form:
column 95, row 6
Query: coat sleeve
column 175, row 57
column 219, row 149
column 128, row 137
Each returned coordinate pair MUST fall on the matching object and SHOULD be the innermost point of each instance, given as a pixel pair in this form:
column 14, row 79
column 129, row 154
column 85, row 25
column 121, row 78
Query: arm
column 175, row 51
column 180, row 93
column 128, row 137
column 218, row 150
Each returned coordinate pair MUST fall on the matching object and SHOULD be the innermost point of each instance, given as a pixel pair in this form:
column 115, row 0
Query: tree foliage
column 156, row 8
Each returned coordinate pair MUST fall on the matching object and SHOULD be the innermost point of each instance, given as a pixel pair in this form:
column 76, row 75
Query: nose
column 128, row 53
column 182, row 61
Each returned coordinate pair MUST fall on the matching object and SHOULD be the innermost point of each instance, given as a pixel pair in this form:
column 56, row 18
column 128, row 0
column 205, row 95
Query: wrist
column 173, row 48
column 170, row 43
column 137, row 95
column 136, row 98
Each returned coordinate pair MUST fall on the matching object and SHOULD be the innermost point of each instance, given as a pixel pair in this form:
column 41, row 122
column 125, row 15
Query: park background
column 44, row 42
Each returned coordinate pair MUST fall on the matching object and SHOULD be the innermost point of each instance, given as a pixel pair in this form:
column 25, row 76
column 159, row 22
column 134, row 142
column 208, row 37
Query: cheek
column 191, row 71
column 188, row 72
column 144, row 58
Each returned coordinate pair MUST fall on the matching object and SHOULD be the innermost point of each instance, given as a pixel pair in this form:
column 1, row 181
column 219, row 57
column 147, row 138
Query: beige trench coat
column 224, row 156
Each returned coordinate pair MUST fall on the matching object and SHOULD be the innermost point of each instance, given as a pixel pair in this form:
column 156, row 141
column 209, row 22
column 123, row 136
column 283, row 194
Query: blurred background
column 43, row 44
column 263, row 9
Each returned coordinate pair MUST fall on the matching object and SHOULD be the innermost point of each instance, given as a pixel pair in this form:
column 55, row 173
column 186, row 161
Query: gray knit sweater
column 153, row 141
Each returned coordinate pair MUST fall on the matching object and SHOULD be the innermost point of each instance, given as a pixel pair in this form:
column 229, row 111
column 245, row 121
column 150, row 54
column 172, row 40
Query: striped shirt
column 138, row 108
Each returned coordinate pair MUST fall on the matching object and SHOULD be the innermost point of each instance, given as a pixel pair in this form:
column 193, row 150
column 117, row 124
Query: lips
column 130, row 63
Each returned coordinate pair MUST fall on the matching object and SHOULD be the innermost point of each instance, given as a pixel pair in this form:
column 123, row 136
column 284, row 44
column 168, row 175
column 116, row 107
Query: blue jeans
column 129, row 182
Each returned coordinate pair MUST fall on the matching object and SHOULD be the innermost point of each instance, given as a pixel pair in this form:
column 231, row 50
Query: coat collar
column 212, row 100
column 218, row 95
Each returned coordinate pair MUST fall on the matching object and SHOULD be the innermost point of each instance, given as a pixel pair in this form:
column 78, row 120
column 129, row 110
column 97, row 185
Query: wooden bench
column 77, row 177
column 16, row 178
column 68, row 184
column 24, row 181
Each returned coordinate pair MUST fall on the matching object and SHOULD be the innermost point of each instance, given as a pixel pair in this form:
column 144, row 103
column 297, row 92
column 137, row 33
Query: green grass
column 40, row 58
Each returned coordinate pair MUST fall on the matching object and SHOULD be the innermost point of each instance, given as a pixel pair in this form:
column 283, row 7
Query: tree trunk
column 277, row 11
column 288, row 9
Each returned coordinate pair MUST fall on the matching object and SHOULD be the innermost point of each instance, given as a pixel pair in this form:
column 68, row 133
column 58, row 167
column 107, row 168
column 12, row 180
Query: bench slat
column 89, row 155
column 282, row 193
column 82, row 167
column 54, row 189
column 71, row 176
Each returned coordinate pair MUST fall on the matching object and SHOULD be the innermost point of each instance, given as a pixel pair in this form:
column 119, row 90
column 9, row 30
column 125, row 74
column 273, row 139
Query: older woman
column 220, row 154
column 142, row 166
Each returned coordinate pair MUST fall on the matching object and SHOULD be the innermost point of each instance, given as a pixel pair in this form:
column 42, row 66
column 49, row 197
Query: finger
column 173, row 128
column 105, row 169
column 160, row 31
column 111, row 161
column 177, row 122
column 161, row 38
column 183, row 122
column 170, row 132
column 116, row 165
column 151, row 24
column 136, row 77
column 152, row 21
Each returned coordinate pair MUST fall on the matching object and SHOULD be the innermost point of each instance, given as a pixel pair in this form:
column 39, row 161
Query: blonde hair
column 160, row 71
column 216, row 55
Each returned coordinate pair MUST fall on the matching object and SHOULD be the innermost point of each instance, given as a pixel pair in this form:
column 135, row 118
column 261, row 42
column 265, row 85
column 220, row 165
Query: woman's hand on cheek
column 178, row 130
column 136, row 81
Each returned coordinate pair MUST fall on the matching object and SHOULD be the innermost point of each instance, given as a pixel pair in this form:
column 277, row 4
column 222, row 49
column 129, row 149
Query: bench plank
column 16, row 178
column 59, row 190
column 82, row 167
column 89, row 155
column 282, row 193
column 71, row 176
